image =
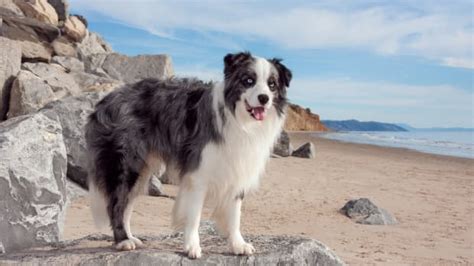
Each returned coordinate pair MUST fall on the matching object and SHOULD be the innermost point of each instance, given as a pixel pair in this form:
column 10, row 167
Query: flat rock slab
column 167, row 250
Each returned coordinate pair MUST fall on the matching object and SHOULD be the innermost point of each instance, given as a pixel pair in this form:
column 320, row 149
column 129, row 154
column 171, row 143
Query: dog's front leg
column 236, row 242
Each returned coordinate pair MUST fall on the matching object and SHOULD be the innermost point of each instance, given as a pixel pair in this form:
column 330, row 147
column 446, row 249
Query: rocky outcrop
column 75, row 28
column 70, row 63
column 28, row 94
column 167, row 250
column 132, row 69
column 10, row 62
column 61, row 7
column 32, row 181
column 92, row 44
column 40, row 10
column 283, row 146
column 363, row 211
column 73, row 113
column 304, row 151
column 302, row 119
column 56, row 77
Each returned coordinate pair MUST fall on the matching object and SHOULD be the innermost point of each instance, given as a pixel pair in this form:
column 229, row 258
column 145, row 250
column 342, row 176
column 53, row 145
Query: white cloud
column 426, row 28
column 422, row 106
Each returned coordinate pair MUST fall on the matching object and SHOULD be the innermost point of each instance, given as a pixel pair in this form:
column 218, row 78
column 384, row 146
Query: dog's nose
column 263, row 99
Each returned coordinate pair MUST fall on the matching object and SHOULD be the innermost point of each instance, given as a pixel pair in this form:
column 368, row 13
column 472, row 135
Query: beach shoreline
column 430, row 195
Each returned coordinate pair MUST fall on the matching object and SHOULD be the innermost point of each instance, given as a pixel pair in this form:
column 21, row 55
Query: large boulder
column 32, row 181
column 35, row 51
column 131, row 69
column 305, row 151
column 69, row 63
column 75, row 28
column 27, row 29
column 167, row 250
column 61, row 7
column 73, row 113
column 56, row 77
column 40, row 10
column 363, row 211
column 89, row 82
column 92, row 44
column 28, row 94
column 62, row 46
column 8, row 7
column 283, row 146
column 10, row 63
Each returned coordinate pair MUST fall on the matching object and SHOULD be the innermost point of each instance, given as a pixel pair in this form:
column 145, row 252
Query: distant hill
column 355, row 125
column 447, row 129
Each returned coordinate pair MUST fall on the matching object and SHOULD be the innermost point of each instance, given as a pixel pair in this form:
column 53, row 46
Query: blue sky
column 392, row 61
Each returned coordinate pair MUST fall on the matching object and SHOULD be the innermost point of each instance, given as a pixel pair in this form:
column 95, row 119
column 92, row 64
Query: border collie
column 214, row 139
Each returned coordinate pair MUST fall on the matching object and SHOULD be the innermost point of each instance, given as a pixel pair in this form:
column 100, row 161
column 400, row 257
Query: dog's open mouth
column 256, row 112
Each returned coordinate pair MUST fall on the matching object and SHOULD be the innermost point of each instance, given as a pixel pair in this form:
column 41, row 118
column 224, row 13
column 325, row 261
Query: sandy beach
column 430, row 195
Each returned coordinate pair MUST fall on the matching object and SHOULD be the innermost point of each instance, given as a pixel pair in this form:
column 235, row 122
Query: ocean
column 453, row 143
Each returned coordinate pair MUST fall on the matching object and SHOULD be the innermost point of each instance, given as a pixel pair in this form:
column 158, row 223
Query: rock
column 61, row 7
column 31, row 51
column 27, row 29
column 28, row 94
column 305, row 151
column 155, row 188
column 73, row 113
column 74, row 191
column 2, row 248
column 132, row 69
column 8, row 7
column 32, row 181
column 89, row 82
column 56, row 77
column 38, row 9
column 283, row 146
column 63, row 47
column 92, row 44
column 363, row 211
column 74, row 28
column 10, row 63
column 167, row 250
column 69, row 63
column 93, row 64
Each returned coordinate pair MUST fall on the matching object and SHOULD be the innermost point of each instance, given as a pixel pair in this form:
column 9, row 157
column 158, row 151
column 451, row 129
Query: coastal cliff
column 302, row 119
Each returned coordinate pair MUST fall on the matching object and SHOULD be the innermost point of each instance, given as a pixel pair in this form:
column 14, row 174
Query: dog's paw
column 242, row 248
column 126, row 245
column 194, row 252
column 138, row 242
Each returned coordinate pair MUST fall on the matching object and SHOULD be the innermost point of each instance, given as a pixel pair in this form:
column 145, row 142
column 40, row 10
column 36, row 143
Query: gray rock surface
column 93, row 64
column 73, row 113
column 32, row 181
column 63, row 47
column 35, row 51
column 10, row 63
column 363, row 211
column 28, row 94
column 132, row 69
column 56, row 77
column 167, row 250
column 27, row 29
column 92, row 44
column 283, row 146
column 10, row 8
column 305, row 151
column 68, row 62
column 89, row 82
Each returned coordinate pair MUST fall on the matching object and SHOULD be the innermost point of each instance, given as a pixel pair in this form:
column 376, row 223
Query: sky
column 391, row 61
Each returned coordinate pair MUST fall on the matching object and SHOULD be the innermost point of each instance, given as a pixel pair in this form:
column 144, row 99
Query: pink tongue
column 259, row 113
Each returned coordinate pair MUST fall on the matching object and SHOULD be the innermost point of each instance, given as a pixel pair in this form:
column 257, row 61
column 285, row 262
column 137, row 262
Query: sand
column 430, row 195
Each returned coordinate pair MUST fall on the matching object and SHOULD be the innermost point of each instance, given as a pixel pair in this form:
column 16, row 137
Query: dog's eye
column 249, row 81
column 272, row 85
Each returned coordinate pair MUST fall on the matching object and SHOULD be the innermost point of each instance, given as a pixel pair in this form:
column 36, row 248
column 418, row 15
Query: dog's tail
column 98, row 207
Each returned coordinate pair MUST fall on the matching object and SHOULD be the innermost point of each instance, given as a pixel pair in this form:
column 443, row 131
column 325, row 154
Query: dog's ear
column 284, row 74
column 233, row 60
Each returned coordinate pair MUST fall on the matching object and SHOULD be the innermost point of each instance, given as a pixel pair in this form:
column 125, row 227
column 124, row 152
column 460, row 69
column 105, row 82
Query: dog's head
column 255, row 87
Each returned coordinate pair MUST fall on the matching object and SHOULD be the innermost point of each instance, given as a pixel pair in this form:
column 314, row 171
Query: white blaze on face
column 263, row 70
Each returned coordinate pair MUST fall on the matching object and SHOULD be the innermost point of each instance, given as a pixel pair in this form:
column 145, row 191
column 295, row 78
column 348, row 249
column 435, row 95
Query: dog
column 214, row 139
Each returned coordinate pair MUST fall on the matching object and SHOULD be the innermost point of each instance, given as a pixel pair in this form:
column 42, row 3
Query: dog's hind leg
column 187, row 214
